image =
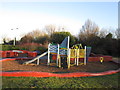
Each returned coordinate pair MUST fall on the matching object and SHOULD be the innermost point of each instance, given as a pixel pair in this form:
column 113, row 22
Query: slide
column 36, row 58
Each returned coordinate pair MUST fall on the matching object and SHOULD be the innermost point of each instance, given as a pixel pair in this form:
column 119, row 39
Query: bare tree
column 36, row 33
column 32, row 36
column 102, row 33
column 50, row 29
column 89, row 29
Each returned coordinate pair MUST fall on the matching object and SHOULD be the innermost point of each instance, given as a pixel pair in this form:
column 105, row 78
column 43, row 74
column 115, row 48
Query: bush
column 29, row 46
column 58, row 37
column 9, row 47
column 26, row 46
column 41, row 49
column 42, row 39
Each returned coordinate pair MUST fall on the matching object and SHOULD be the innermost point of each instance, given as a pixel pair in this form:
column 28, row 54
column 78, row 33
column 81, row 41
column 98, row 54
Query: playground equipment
column 37, row 58
column 64, row 54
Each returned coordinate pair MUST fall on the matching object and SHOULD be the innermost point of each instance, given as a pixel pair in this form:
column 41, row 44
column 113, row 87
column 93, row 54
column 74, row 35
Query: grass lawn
column 108, row 81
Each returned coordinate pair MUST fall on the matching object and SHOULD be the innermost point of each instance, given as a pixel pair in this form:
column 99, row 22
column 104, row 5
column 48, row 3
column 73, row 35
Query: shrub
column 9, row 47
column 29, row 46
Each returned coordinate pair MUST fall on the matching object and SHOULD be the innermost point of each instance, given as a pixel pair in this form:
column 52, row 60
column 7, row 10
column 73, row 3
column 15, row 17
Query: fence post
column 68, row 58
column 48, row 63
column 85, row 57
column 57, row 55
column 77, row 56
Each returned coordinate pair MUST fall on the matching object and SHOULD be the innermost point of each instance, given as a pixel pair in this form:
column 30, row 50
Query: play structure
column 64, row 56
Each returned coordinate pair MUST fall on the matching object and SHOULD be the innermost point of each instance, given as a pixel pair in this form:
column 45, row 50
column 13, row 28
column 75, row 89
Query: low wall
column 105, row 58
column 17, row 53
column 96, row 58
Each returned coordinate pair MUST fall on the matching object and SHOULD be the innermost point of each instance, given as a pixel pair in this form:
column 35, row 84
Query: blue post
column 88, row 51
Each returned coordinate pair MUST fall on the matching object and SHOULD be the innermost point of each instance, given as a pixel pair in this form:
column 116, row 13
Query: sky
column 29, row 16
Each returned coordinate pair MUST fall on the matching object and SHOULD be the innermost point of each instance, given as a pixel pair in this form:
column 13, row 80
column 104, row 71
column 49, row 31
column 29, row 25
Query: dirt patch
column 17, row 65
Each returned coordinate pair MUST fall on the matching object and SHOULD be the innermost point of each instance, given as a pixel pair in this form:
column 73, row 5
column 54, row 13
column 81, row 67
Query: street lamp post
column 14, row 42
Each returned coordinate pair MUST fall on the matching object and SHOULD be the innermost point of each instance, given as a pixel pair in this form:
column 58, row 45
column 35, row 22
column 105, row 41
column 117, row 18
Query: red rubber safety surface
column 47, row 74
